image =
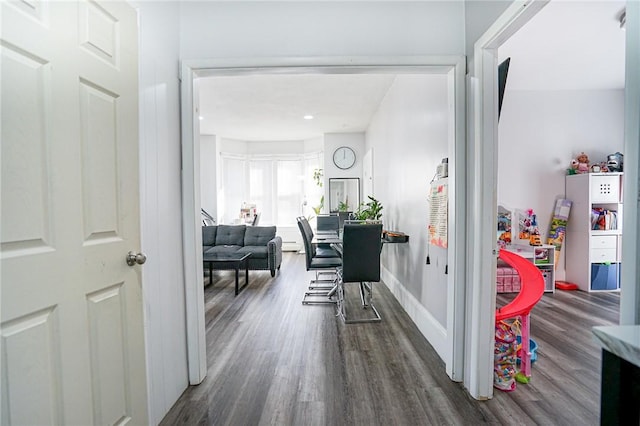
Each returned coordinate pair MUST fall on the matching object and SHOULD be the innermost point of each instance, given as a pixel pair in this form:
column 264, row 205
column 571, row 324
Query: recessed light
column 308, row 117
column 201, row 118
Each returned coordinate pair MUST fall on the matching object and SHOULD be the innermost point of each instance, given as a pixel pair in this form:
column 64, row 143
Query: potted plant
column 369, row 211
column 318, row 209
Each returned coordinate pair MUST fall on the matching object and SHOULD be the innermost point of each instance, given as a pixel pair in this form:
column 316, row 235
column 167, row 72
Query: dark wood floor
column 273, row 361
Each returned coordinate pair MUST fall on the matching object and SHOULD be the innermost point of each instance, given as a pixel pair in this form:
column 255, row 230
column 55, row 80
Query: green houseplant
column 369, row 211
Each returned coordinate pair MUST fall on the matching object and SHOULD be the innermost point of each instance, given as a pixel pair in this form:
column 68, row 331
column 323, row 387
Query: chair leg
column 366, row 298
column 319, row 283
column 320, row 295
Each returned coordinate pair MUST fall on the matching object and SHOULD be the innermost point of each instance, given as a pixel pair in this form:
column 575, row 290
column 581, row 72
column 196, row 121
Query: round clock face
column 344, row 157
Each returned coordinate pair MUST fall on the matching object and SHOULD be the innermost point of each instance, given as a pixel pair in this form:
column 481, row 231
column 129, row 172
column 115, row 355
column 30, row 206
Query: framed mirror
column 344, row 194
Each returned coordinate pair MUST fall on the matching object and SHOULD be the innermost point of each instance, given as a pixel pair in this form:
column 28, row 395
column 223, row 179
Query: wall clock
column 344, row 157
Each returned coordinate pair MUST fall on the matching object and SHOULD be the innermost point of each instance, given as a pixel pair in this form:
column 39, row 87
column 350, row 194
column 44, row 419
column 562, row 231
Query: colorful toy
column 531, row 291
column 504, row 365
column 558, row 226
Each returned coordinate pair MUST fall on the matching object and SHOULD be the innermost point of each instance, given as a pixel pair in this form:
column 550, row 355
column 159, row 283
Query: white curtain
column 234, row 188
column 277, row 185
column 289, row 191
column 261, row 186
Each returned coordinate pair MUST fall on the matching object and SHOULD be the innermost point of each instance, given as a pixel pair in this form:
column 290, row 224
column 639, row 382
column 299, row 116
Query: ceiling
column 568, row 45
column 272, row 107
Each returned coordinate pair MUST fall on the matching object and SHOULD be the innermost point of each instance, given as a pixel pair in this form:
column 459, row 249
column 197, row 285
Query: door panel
column 71, row 319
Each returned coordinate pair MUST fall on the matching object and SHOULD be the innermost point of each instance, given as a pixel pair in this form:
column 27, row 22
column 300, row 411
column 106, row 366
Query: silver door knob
column 133, row 258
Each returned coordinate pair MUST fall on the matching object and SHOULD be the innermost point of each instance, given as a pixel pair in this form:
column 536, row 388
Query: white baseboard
column 430, row 328
column 291, row 246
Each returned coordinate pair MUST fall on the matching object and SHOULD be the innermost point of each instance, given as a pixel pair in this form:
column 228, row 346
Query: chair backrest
column 327, row 223
column 306, row 240
column 307, row 226
column 342, row 216
column 361, row 246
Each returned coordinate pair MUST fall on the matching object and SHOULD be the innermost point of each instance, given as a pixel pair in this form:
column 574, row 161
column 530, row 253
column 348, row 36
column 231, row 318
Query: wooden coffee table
column 228, row 261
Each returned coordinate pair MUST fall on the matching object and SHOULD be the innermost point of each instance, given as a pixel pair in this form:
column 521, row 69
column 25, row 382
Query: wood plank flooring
column 273, row 361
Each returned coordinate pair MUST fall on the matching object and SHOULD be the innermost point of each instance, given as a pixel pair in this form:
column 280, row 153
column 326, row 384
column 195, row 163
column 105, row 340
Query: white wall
column 161, row 221
column 540, row 132
column 292, row 29
column 409, row 136
column 333, row 141
column 208, row 174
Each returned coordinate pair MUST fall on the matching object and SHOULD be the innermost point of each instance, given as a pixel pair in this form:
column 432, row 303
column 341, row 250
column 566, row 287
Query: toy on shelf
column 583, row 163
column 580, row 164
column 614, row 162
column 504, row 227
column 528, row 231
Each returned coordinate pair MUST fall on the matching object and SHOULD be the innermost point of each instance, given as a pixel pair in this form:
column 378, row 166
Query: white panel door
column 71, row 323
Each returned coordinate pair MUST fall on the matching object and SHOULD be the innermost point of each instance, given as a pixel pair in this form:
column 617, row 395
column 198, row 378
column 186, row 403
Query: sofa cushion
column 259, row 235
column 257, row 252
column 230, row 235
column 209, row 235
column 223, row 249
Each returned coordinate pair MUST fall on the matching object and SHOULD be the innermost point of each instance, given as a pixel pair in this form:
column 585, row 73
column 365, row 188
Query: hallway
column 274, row 361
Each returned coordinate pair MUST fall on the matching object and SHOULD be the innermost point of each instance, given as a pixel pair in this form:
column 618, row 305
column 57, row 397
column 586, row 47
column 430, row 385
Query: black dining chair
column 361, row 247
column 319, row 250
column 320, row 291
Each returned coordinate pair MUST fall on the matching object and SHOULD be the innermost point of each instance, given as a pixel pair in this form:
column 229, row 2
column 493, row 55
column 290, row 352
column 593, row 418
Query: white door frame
column 483, row 161
column 454, row 66
column 630, row 284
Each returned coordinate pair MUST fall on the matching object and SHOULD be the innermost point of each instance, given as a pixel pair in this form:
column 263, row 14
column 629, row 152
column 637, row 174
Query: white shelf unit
column 593, row 256
column 543, row 257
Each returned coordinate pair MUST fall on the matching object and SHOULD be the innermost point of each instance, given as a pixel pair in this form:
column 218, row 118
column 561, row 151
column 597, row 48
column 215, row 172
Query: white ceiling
column 568, row 45
column 272, row 107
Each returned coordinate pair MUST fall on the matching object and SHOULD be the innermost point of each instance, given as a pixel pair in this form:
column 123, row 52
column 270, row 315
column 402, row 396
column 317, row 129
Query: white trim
column 432, row 330
column 457, row 213
column 630, row 284
column 192, row 240
column 481, row 225
column 191, row 69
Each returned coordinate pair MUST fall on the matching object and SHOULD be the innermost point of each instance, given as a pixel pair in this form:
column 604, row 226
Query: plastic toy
column 531, row 291
column 614, row 162
column 564, row 285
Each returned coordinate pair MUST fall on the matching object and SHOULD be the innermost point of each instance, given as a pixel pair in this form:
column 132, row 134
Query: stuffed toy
column 583, row 163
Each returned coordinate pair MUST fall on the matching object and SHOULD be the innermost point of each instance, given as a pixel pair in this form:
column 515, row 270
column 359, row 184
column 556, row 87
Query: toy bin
column 604, row 276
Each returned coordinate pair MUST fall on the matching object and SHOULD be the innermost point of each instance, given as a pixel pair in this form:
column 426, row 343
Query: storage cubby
column 594, row 231
column 543, row 257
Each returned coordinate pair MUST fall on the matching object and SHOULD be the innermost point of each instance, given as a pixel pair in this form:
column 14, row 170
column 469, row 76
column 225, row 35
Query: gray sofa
column 261, row 241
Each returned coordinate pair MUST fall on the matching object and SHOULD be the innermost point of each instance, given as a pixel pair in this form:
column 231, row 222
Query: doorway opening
column 487, row 131
column 452, row 67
